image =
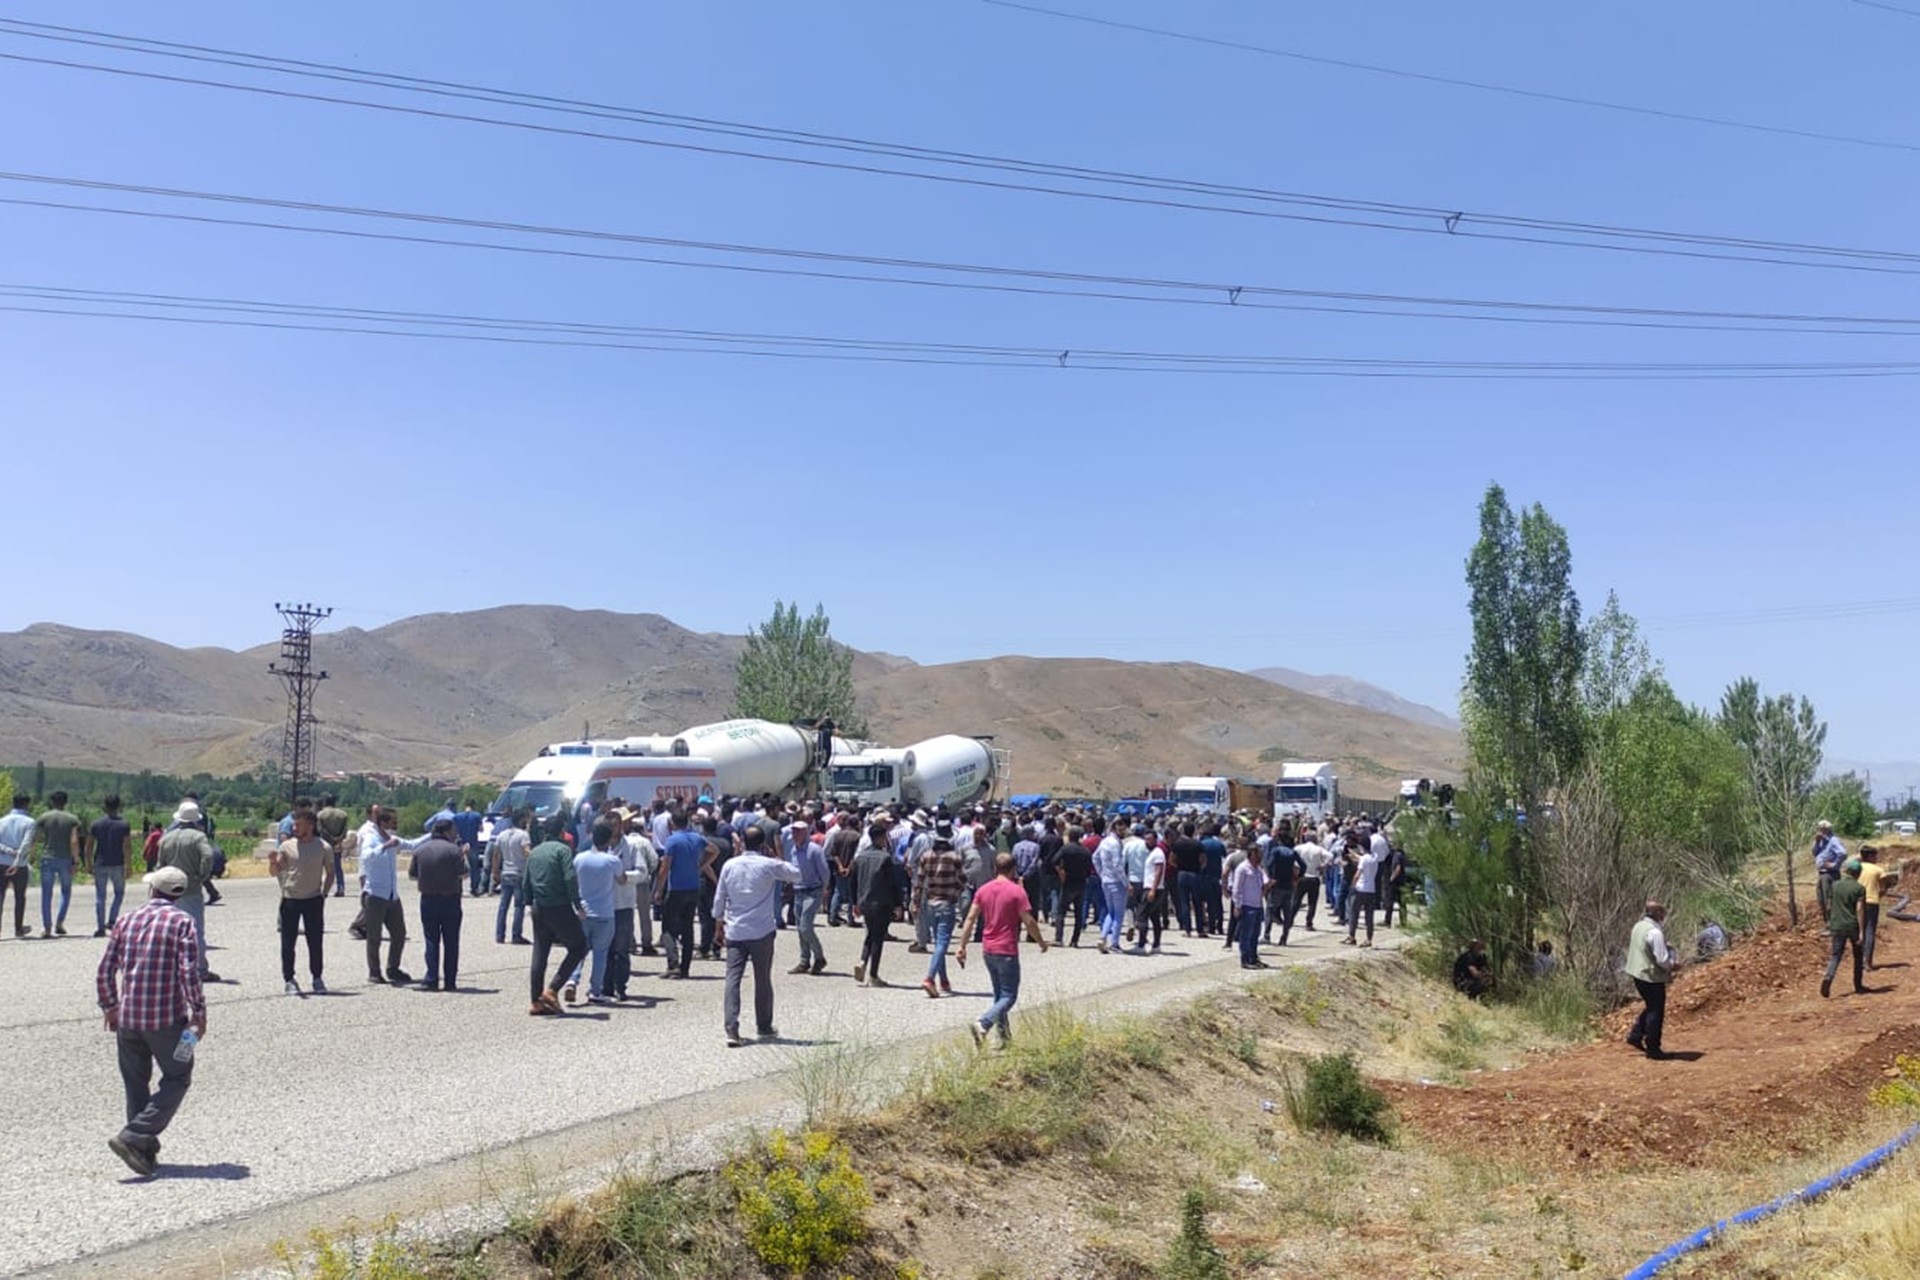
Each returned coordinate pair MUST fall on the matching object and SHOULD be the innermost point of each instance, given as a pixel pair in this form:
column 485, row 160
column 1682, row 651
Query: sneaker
column 399, row 976
column 378, row 977
column 319, row 986
column 99, row 933
column 523, row 942
column 979, row 1036
column 593, row 999
column 60, row 929
column 360, row 934
column 860, row 973
column 1346, row 942
column 1366, row 944
column 877, row 981
column 1137, row 949
column 572, row 992
column 1635, row 1043
column 802, row 967
column 819, row 967
column 293, row 988
column 1154, row 951
column 946, row 988
column 1103, row 946
column 933, row 992
column 645, row 951
column 208, row 975
column 430, row 983
column 1826, row 988
column 917, row 949
column 137, row 1160
column 768, row 1033
column 733, row 1040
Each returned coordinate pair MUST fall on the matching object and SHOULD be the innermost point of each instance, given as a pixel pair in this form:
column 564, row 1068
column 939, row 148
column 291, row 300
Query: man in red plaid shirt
column 149, row 987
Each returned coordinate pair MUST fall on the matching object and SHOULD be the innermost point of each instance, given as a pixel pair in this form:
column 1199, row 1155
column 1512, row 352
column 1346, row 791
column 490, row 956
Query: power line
column 965, row 275
column 1369, row 214
column 1460, row 82
column 1890, row 8
column 308, row 317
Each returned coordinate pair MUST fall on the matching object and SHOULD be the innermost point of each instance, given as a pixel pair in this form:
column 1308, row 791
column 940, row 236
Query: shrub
column 801, row 1200
column 382, row 1257
column 1332, row 1097
column 1193, row 1255
column 1903, row 1091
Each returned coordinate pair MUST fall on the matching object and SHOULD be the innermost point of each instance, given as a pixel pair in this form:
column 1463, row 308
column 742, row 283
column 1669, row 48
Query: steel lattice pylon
column 295, row 669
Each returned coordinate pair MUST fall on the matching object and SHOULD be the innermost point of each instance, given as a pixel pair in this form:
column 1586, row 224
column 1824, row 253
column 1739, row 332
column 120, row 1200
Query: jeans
column 107, row 879
column 806, row 915
column 1115, row 896
column 840, row 900
column 1653, row 1019
column 1073, row 894
column 1336, row 881
column 477, row 871
column 940, row 922
column 440, row 915
column 620, row 953
column 758, row 952
column 1005, row 974
column 339, row 876
column 1193, row 918
column 150, row 1111
column 510, row 894
column 1870, row 910
column 551, row 925
column 599, row 934
column 676, row 921
column 297, row 913
column 1361, row 908
column 1836, row 947
column 1249, row 934
column 52, row 869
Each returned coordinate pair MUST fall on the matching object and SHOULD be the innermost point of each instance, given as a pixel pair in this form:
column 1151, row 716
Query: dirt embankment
column 1763, row 1066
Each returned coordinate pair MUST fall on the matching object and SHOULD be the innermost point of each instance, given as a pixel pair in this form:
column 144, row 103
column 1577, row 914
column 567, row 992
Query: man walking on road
column 148, row 985
column 331, row 825
column 186, row 848
column 1247, row 889
column 440, row 867
column 1650, row 963
column 55, row 831
column 553, row 896
column 877, row 894
column 598, row 873
column 746, row 914
column 304, row 867
column 809, row 891
column 1846, row 920
column 508, row 854
column 108, row 837
column 380, row 899
column 16, row 841
column 1002, row 910
column 676, row 887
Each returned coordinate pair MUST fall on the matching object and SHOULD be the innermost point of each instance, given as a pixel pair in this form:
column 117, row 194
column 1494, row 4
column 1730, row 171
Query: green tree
column 1617, row 661
column 1845, row 801
column 39, row 792
column 6, row 792
column 793, row 669
column 1784, row 741
column 1676, row 777
column 1521, row 704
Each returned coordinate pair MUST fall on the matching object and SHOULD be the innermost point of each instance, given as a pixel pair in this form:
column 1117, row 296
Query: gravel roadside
column 308, row 1112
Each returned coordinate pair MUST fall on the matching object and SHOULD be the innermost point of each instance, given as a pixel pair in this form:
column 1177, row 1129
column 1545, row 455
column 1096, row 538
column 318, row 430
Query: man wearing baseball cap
column 149, row 988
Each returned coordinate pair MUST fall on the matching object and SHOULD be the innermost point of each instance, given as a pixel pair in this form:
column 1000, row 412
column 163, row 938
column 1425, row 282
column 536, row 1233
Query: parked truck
column 949, row 769
column 1221, row 796
column 1305, row 790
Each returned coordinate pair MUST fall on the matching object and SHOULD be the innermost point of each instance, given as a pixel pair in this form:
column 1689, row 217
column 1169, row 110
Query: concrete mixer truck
column 948, row 769
column 755, row 757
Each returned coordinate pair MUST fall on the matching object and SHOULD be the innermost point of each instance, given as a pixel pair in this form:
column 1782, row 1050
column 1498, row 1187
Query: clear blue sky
column 177, row 480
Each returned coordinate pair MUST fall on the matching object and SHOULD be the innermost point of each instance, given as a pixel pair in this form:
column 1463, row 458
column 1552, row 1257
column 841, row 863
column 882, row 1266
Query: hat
column 1825, row 825
column 944, row 830
column 919, row 819
column 1853, row 867
column 168, row 881
column 186, row 815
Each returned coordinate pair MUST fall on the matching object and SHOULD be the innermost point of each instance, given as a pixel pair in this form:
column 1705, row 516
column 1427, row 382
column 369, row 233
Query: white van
column 636, row 781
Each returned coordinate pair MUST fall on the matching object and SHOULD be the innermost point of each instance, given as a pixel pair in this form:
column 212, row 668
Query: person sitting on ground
column 1711, row 941
column 1472, row 973
column 1545, row 963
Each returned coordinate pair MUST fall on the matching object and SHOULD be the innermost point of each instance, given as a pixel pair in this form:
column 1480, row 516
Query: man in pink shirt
column 1003, row 910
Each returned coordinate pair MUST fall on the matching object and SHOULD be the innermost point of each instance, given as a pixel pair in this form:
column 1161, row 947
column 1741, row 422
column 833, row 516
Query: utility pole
column 295, row 669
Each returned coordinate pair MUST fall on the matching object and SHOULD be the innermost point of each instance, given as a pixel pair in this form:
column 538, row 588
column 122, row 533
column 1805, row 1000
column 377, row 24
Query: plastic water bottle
column 184, row 1051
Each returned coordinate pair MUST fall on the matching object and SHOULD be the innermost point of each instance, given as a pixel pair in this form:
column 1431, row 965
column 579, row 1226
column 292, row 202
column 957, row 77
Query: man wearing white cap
column 1829, row 855
column 148, row 985
column 185, row 847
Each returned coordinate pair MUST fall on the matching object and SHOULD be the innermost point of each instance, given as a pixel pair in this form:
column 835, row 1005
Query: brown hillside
column 476, row 694
column 1092, row 724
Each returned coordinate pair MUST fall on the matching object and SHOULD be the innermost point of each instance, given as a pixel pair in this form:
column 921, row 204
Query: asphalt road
column 297, row 1101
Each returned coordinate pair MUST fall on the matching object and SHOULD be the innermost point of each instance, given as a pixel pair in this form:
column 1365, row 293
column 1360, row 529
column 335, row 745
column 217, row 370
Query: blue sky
column 166, row 476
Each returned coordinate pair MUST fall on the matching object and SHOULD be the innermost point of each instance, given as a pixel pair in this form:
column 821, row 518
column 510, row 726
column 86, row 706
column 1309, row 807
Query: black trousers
column 1308, row 896
column 676, row 921
column 18, row 879
column 619, row 957
column 551, row 925
column 440, row 915
column 876, row 922
column 1653, row 1019
column 307, row 914
column 1280, row 903
column 1837, row 944
column 1073, row 896
column 1155, row 908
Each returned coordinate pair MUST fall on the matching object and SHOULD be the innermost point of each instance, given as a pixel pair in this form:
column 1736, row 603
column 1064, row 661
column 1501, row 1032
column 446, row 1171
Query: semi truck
column 1309, row 790
column 1221, row 796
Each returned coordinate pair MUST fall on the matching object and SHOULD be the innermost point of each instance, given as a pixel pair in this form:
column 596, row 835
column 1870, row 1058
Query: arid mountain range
column 474, row 695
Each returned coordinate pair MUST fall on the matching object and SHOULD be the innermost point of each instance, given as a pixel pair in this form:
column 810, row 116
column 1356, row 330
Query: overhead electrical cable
column 1462, row 82
column 310, row 317
column 1207, row 197
column 880, row 269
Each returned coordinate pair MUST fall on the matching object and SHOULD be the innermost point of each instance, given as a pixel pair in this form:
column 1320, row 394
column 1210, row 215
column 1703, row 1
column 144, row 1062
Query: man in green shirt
column 553, row 895
column 54, row 831
column 1846, row 910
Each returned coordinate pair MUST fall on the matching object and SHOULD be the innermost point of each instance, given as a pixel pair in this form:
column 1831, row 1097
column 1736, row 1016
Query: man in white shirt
column 1365, row 889
column 746, row 914
column 16, row 840
column 1313, row 865
column 640, row 860
column 1110, row 865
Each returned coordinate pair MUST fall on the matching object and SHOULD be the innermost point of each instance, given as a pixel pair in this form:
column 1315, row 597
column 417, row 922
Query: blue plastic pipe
column 1812, row 1191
